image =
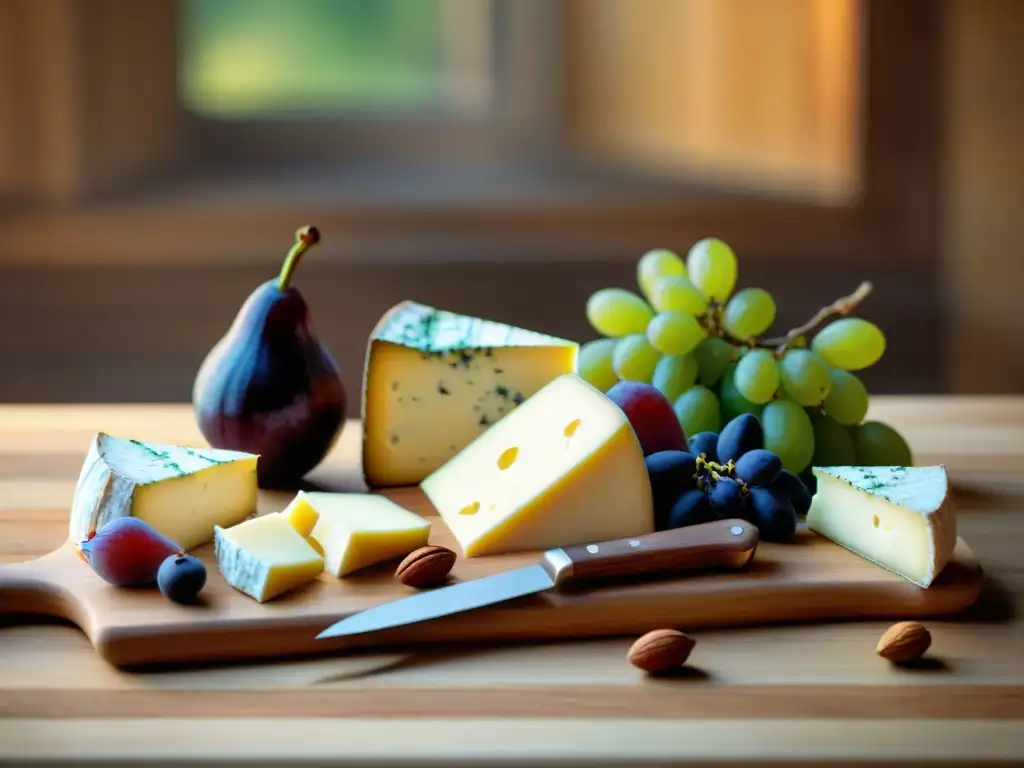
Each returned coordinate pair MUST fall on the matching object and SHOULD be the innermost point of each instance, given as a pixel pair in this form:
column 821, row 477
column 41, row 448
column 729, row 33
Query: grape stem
column 842, row 306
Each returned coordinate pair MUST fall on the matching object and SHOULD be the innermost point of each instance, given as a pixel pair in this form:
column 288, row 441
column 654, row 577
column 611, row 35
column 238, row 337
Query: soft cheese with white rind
column 265, row 557
column 901, row 518
column 182, row 492
column 357, row 530
column 563, row 468
column 435, row 380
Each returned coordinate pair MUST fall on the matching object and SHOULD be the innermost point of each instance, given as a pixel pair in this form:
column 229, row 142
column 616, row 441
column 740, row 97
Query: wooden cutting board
column 807, row 579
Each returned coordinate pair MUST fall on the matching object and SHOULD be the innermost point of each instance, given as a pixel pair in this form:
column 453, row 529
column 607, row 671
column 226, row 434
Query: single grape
column 758, row 467
column 594, row 363
column 847, row 400
column 674, row 374
column 833, row 443
column 713, row 357
column 726, row 497
column 773, row 515
column 656, row 265
column 671, row 474
column 749, row 313
column 181, row 577
column 678, row 294
column 803, row 377
column 793, row 488
column 733, row 403
column 879, row 445
column 692, row 508
column 706, row 444
column 675, row 333
column 712, row 267
column 698, row 411
column 788, row 434
column 850, row 343
column 742, row 434
column 757, row 376
column 650, row 415
column 617, row 312
column 635, row 359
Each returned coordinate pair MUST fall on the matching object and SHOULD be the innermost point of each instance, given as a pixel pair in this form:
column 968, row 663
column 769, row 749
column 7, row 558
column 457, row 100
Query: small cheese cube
column 901, row 518
column 265, row 557
column 435, row 380
column 563, row 468
column 356, row 530
column 300, row 515
column 182, row 492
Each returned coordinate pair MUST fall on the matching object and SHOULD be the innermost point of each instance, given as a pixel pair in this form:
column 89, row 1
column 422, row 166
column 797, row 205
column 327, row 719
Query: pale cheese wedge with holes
column 901, row 518
column 563, row 468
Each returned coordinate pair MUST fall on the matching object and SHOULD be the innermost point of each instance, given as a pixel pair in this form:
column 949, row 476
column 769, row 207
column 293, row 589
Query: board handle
column 29, row 588
column 719, row 544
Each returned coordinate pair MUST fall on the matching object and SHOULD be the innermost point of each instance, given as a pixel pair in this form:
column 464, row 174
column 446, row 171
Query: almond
column 905, row 641
column 425, row 566
column 660, row 650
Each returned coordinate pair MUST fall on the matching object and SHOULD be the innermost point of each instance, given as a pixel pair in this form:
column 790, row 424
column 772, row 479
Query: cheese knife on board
column 726, row 544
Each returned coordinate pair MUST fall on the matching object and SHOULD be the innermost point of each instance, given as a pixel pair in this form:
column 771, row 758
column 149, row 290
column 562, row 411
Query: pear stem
column 304, row 238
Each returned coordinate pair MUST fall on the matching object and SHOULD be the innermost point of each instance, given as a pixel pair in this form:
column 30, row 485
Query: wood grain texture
column 807, row 579
column 557, row 703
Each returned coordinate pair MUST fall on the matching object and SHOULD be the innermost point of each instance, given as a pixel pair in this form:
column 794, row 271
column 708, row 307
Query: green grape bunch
column 702, row 343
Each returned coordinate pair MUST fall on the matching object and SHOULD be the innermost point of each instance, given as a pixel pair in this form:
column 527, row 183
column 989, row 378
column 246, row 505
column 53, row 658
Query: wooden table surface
column 789, row 695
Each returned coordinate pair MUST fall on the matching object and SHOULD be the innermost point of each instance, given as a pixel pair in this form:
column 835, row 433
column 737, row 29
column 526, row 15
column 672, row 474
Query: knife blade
column 720, row 544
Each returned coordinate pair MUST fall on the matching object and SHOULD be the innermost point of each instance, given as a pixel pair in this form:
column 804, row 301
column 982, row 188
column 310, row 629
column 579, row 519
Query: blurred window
column 744, row 93
column 268, row 58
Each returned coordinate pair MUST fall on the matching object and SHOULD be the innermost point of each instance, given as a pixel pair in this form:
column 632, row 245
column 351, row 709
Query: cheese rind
column 901, row 518
column 182, row 492
column 356, row 530
column 564, row 468
column 265, row 557
column 435, row 380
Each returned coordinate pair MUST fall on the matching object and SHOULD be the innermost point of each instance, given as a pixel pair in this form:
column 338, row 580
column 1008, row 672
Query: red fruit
column 127, row 552
column 651, row 416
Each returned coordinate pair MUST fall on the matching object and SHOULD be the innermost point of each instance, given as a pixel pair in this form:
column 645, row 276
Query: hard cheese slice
column 265, row 557
column 356, row 530
column 182, row 492
column 901, row 518
column 563, row 468
column 435, row 380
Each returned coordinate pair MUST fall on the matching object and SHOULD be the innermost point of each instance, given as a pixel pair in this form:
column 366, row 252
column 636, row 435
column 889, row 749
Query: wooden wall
column 984, row 194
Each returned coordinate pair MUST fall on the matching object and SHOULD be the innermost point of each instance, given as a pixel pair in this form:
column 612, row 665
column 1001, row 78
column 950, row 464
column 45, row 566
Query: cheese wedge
column 563, row 468
column 901, row 518
column 265, row 557
column 356, row 530
column 182, row 492
column 435, row 380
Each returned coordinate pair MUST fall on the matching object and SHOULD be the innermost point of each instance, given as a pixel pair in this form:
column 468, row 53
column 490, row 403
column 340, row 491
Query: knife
column 722, row 544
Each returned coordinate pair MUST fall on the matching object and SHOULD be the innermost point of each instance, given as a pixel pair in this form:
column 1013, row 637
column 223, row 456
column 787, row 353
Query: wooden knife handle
column 720, row 544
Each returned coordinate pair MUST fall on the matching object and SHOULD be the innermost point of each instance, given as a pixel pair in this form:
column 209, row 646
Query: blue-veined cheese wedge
column 435, row 380
column 901, row 518
column 182, row 492
column 563, row 468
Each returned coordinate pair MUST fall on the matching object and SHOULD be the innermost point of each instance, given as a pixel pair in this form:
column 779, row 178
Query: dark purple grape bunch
column 728, row 475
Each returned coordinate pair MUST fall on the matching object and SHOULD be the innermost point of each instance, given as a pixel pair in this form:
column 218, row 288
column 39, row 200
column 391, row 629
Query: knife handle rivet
column 592, row 549
column 634, row 543
column 736, row 530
